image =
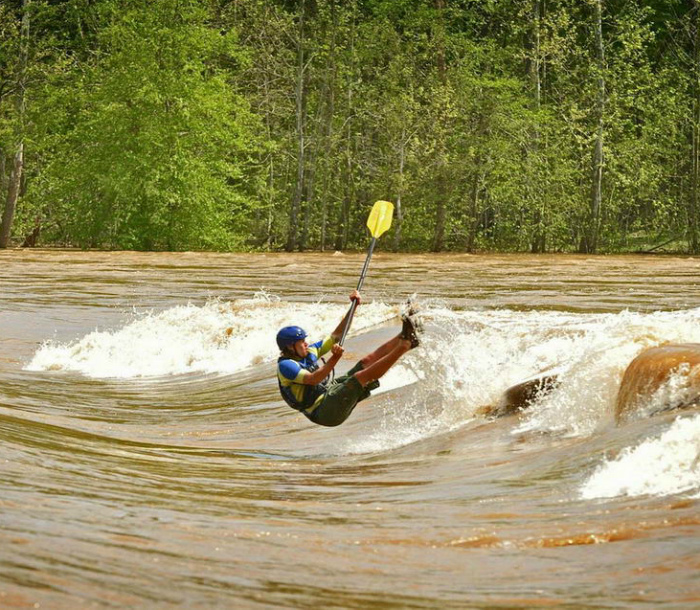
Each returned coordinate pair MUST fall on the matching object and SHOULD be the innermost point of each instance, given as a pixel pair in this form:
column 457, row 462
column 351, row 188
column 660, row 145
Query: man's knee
column 362, row 378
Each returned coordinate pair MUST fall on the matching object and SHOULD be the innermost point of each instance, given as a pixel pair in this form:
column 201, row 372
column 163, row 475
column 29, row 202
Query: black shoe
column 410, row 330
column 411, row 310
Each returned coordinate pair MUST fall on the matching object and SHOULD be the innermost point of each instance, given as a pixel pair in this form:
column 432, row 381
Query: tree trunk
column 12, row 195
column 308, row 198
column 4, row 183
column 440, row 220
column 399, row 192
column 590, row 242
column 270, row 168
column 32, row 238
column 328, row 131
column 341, row 235
column 693, row 237
column 538, row 238
column 15, row 182
column 473, row 211
column 535, row 68
column 301, row 125
column 440, row 212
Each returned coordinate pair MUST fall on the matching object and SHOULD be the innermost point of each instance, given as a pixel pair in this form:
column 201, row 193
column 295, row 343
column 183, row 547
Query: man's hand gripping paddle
column 379, row 222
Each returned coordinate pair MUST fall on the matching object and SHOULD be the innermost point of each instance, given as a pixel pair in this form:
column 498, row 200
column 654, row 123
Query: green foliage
column 155, row 150
column 174, row 124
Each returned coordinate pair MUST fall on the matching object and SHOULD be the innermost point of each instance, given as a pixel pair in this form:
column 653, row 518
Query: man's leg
column 380, row 352
column 383, row 358
column 380, row 366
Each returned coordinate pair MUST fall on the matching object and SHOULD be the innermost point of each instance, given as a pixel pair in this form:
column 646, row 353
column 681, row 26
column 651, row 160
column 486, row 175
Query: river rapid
column 147, row 459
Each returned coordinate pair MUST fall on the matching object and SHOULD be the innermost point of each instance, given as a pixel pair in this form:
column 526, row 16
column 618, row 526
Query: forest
column 234, row 125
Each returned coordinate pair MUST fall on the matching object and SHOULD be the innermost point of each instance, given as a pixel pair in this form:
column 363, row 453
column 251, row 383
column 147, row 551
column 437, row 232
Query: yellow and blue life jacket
column 290, row 372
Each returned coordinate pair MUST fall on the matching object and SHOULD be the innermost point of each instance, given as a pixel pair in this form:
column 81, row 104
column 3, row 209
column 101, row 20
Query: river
column 147, row 460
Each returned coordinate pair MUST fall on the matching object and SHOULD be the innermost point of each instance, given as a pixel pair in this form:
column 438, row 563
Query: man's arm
column 338, row 332
column 320, row 374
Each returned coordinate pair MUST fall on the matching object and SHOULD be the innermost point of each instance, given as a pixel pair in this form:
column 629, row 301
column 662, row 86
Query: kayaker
column 304, row 379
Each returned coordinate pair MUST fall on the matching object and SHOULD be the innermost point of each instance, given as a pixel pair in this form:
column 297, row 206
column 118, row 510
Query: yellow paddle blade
column 379, row 220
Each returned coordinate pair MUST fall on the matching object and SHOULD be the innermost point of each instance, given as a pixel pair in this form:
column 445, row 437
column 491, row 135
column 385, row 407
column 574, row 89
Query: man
column 304, row 383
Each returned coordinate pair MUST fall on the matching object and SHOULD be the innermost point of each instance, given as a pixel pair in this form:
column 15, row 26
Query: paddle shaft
column 353, row 306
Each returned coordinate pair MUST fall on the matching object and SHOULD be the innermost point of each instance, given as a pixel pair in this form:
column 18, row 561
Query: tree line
column 504, row 125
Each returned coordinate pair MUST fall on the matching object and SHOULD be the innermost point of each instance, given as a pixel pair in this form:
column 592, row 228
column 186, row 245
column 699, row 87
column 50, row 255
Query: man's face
column 301, row 348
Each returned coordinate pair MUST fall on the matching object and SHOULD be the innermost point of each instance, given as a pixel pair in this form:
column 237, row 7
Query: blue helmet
column 290, row 335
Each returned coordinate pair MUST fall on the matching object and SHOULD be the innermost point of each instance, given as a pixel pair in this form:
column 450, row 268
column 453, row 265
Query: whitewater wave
column 218, row 337
column 600, row 347
column 467, row 359
column 665, row 465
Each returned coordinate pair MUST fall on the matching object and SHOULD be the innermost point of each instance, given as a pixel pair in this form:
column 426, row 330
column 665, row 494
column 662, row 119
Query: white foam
column 469, row 358
column 397, row 377
column 679, row 389
column 600, row 349
column 660, row 466
column 218, row 337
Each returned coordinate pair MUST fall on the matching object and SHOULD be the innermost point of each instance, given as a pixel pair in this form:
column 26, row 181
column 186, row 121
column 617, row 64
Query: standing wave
column 218, row 337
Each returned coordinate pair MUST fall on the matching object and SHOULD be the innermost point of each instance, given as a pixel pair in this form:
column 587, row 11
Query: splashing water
column 218, row 337
column 668, row 464
column 600, row 349
column 467, row 358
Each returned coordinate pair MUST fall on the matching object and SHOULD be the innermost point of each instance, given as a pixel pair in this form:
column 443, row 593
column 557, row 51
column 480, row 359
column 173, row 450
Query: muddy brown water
column 147, row 460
